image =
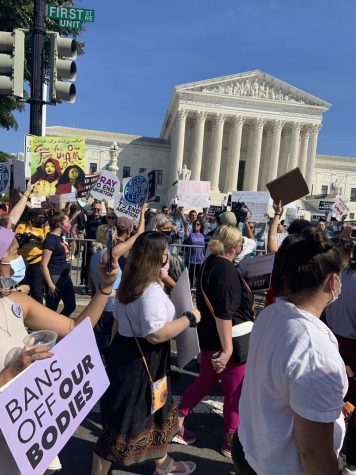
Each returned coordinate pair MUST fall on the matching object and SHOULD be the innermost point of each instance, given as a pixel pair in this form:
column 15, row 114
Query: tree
column 19, row 14
column 4, row 156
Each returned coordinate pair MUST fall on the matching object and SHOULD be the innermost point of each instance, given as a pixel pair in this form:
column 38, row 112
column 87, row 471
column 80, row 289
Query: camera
column 240, row 210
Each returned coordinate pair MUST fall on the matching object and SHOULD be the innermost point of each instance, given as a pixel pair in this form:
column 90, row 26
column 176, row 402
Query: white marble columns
column 178, row 149
column 313, row 141
column 254, row 166
column 275, row 149
column 294, row 146
column 303, row 154
column 197, row 155
column 233, row 156
column 215, row 156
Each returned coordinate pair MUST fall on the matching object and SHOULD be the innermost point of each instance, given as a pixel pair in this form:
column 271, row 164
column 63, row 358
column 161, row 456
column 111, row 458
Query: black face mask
column 167, row 233
column 37, row 223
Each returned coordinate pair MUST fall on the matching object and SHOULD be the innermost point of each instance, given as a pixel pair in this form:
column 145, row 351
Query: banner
column 18, row 173
column 57, row 165
column 256, row 201
column 41, row 408
column 5, row 170
column 106, row 187
column 127, row 211
column 193, row 194
column 258, row 271
column 89, row 182
column 135, row 189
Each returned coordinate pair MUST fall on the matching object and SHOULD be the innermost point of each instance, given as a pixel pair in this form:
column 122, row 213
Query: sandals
column 167, row 470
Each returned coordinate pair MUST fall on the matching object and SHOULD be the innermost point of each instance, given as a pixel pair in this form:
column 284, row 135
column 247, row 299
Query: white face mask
column 336, row 293
column 18, row 267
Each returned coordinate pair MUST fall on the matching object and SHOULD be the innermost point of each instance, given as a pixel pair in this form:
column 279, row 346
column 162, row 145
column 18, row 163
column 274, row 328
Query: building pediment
column 253, row 85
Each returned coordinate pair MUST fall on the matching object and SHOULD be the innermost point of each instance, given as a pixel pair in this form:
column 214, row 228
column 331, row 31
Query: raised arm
column 123, row 247
column 272, row 245
column 19, row 208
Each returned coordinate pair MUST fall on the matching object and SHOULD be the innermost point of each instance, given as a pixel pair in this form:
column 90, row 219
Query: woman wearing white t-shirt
column 132, row 433
column 295, row 381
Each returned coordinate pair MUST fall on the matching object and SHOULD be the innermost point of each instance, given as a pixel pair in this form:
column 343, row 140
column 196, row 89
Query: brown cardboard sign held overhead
column 288, row 188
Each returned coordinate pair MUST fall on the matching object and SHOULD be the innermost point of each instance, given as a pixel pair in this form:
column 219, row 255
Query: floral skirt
column 131, row 434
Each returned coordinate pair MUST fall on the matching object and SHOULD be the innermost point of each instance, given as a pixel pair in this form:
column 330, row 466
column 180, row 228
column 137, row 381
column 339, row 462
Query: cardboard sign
column 5, row 171
column 258, row 271
column 288, row 187
column 135, row 189
column 187, row 341
column 256, row 201
column 41, row 408
column 193, row 194
column 340, row 207
column 89, row 182
column 18, row 170
column 127, row 211
column 107, row 186
column 6, row 238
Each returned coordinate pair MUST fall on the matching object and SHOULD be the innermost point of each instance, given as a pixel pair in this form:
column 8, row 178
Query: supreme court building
column 238, row 132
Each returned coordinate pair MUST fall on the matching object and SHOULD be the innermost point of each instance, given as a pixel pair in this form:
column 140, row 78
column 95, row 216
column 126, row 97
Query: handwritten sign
column 37, row 201
column 41, row 408
column 193, row 194
column 124, row 210
column 135, row 189
column 256, row 201
column 5, row 170
column 106, row 187
column 340, row 207
column 258, row 271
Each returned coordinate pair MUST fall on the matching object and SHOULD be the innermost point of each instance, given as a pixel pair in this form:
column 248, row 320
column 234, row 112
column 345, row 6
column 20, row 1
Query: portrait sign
column 57, row 165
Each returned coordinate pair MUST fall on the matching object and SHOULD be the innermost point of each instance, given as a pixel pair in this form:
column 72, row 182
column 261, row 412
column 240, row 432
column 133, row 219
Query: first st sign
column 70, row 15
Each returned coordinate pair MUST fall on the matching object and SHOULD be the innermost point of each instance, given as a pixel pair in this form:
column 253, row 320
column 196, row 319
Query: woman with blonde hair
column 134, row 429
column 226, row 305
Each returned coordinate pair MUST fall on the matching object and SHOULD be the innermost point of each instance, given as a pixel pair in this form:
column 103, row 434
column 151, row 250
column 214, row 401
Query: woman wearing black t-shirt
column 55, row 269
column 230, row 304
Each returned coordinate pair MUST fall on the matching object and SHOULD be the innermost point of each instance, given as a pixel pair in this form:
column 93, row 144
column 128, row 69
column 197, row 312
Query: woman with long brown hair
column 133, row 431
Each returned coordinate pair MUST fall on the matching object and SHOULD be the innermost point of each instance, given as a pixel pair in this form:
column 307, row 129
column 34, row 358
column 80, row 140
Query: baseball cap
column 124, row 223
column 227, row 217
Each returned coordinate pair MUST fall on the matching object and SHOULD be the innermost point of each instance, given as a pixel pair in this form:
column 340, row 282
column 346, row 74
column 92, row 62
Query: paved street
column 206, row 421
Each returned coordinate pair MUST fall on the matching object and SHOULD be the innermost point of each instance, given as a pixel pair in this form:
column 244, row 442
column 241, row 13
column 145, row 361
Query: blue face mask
column 18, row 267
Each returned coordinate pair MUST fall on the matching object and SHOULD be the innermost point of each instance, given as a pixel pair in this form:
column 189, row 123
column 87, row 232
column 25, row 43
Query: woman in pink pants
column 225, row 302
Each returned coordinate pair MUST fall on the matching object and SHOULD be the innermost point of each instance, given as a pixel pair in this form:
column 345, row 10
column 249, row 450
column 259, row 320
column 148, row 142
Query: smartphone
column 109, row 250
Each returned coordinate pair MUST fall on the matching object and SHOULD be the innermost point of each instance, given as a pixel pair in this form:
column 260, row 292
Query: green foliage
column 5, row 156
column 18, row 14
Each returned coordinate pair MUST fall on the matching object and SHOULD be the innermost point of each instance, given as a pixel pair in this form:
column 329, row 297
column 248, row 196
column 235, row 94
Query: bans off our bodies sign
column 41, row 409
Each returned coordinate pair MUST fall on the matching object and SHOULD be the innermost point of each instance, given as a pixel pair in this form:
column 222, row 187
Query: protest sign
column 187, row 341
column 135, row 189
column 325, row 205
column 193, row 194
column 258, row 271
column 89, row 182
column 340, row 206
column 151, row 185
column 256, row 201
column 43, row 406
column 291, row 215
column 6, row 238
column 215, row 210
column 5, row 171
column 316, row 217
column 107, row 186
column 289, row 187
column 127, row 211
column 57, row 164
column 36, row 201
column 18, row 173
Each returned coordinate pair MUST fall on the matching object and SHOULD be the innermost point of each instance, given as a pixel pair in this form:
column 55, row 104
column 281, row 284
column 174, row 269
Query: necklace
column 6, row 330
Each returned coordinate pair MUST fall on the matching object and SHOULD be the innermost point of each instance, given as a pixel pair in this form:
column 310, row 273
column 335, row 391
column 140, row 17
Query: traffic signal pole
column 38, row 34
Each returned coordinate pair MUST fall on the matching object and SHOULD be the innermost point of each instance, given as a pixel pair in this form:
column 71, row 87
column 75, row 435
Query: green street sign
column 68, row 16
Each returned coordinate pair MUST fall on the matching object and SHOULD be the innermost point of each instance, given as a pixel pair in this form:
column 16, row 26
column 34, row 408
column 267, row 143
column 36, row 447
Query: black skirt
column 131, row 434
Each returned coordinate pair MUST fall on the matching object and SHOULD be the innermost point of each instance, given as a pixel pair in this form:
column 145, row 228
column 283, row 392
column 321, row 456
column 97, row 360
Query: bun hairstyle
column 305, row 261
column 225, row 237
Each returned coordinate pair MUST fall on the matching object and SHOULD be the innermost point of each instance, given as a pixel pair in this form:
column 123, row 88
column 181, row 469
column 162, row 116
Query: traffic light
column 63, row 70
column 12, row 57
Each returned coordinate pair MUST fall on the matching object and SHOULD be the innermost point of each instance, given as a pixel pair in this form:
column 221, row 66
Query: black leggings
column 238, row 457
column 65, row 293
column 34, row 279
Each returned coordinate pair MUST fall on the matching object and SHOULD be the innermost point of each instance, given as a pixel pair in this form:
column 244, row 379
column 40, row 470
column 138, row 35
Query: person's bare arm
column 272, row 245
column 46, row 256
column 224, row 328
column 123, row 247
column 19, row 208
column 171, row 329
column 248, row 233
column 315, row 443
column 168, row 281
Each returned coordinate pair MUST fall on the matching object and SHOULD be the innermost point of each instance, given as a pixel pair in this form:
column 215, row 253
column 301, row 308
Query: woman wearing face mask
column 292, row 396
column 55, row 269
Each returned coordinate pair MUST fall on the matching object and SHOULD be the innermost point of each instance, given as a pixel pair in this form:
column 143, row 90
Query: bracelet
column 104, row 293
column 192, row 319
column 277, row 214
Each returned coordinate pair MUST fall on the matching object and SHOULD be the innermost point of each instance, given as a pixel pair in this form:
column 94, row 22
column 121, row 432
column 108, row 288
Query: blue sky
column 136, row 51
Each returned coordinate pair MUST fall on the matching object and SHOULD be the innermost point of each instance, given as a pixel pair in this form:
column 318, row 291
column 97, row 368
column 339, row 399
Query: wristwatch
column 192, row 318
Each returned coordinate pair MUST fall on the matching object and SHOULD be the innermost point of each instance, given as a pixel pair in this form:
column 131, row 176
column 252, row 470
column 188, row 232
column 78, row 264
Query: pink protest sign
column 41, row 408
column 6, row 238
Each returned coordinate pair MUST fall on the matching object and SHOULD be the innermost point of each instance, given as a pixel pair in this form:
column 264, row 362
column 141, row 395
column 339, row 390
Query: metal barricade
column 188, row 254
column 79, row 257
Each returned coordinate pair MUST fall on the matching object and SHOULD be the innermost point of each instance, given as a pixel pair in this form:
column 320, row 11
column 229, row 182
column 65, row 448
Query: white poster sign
column 37, row 201
column 187, row 341
column 258, row 271
column 193, row 194
column 28, row 149
column 19, row 175
column 127, row 211
column 256, row 201
column 340, row 206
column 107, row 187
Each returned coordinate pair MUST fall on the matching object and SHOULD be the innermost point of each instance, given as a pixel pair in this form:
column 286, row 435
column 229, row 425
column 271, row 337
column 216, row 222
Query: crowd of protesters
column 288, row 375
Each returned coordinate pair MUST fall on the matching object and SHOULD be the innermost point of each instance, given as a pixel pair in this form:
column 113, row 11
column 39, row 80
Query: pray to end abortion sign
column 42, row 408
column 106, row 187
